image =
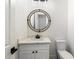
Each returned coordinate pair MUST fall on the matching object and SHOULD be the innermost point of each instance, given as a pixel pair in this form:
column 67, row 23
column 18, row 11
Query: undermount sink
column 34, row 40
column 37, row 39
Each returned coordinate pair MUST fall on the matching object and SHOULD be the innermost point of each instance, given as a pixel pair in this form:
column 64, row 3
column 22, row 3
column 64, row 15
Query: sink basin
column 34, row 40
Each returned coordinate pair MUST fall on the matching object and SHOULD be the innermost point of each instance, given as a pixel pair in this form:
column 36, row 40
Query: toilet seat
column 65, row 55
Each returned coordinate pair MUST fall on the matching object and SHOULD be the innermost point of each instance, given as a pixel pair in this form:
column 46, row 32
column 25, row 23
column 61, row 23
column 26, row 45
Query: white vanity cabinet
column 34, row 51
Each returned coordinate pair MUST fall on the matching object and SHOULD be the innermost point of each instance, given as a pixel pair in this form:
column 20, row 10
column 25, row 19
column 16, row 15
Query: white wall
column 7, row 41
column 10, row 40
column 57, row 10
column 70, row 37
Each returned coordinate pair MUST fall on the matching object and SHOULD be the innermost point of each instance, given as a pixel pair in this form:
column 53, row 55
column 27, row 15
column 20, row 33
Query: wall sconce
column 36, row 0
column 41, row 0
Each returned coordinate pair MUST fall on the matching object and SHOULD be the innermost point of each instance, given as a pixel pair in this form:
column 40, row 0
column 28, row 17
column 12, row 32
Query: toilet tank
column 60, row 44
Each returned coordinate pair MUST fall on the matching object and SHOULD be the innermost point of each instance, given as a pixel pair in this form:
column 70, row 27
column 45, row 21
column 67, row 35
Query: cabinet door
column 42, row 54
column 26, row 55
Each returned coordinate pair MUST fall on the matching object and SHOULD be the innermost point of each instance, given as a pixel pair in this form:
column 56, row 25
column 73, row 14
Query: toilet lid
column 65, row 55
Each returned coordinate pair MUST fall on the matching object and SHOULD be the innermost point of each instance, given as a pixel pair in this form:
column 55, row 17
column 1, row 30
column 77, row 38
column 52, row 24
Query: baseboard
column 52, row 57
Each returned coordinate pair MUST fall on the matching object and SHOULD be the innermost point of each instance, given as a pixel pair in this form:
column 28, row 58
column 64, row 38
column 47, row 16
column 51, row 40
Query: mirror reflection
column 39, row 20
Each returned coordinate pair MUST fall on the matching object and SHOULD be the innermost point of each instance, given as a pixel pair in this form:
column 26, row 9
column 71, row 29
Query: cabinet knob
column 36, row 51
column 32, row 51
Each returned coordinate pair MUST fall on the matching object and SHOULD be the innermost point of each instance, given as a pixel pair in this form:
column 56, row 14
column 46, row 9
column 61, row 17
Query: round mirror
column 38, row 20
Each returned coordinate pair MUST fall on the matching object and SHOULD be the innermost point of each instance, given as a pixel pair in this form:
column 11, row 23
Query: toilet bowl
column 64, row 55
column 61, row 50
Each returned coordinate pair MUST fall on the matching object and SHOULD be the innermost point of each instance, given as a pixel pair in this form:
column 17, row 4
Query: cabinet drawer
column 26, row 47
column 33, row 47
column 26, row 51
column 42, row 46
column 34, row 51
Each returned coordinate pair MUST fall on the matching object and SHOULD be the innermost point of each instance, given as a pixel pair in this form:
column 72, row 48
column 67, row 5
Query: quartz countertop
column 34, row 40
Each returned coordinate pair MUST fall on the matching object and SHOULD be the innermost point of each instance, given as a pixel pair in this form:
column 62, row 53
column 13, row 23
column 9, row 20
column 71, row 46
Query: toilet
column 61, row 50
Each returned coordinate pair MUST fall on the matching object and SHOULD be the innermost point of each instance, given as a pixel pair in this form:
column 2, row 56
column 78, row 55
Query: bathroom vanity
column 34, row 48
